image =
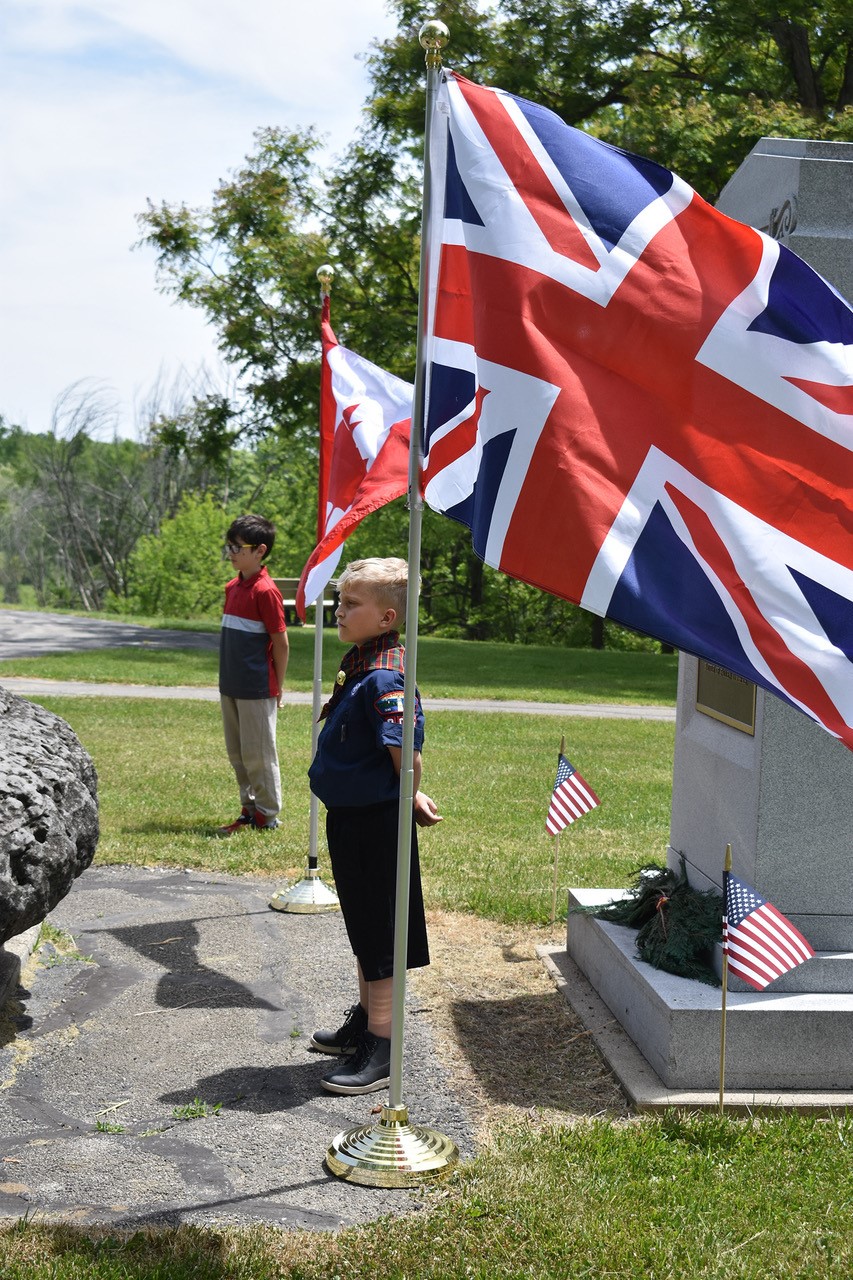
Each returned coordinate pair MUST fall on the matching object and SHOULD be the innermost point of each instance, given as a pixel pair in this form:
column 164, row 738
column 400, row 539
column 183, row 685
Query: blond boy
column 356, row 774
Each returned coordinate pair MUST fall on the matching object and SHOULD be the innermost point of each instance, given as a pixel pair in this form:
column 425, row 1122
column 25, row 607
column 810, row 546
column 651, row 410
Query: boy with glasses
column 253, row 653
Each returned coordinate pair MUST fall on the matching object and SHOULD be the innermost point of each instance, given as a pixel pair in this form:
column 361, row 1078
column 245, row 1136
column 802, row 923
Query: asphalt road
column 161, row 1074
column 26, row 634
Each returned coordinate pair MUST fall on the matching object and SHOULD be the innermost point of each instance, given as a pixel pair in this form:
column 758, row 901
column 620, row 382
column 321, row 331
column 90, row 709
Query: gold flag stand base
column 309, row 896
column 392, row 1153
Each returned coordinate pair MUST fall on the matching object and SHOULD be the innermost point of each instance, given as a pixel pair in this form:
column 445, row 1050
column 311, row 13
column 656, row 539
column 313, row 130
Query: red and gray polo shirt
column 253, row 612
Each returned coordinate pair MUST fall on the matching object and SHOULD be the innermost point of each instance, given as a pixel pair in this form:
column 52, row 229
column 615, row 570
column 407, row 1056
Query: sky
column 110, row 103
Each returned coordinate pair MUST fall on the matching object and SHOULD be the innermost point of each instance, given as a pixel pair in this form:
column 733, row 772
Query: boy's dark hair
column 252, row 530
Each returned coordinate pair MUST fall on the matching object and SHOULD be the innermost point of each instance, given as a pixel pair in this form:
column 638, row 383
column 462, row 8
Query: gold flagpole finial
column 433, row 36
column 325, row 275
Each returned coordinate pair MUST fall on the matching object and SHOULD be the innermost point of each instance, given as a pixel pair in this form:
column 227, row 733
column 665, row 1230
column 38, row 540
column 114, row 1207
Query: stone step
column 774, row 1040
column 827, row 972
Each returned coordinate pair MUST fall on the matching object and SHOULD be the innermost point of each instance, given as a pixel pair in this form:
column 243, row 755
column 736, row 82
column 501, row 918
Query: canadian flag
column 365, row 424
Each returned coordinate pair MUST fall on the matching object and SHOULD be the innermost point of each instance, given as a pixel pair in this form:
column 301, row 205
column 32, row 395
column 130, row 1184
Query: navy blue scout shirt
column 353, row 765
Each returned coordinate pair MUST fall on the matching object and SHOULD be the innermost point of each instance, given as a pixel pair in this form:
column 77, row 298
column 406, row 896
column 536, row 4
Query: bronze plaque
column 725, row 696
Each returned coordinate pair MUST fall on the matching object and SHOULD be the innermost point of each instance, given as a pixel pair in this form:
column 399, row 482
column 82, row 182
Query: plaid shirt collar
column 385, row 653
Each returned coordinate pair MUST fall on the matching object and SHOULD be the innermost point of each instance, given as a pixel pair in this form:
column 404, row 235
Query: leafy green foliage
column 693, row 86
column 196, row 1110
column 108, row 1126
column 83, row 503
column 248, row 263
column 180, row 570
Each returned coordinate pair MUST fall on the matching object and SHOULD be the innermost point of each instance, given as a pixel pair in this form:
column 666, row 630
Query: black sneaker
column 347, row 1036
column 368, row 1069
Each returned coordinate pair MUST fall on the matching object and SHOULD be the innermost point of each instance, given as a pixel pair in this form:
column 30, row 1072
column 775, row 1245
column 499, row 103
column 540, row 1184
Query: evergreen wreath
column 677, row 925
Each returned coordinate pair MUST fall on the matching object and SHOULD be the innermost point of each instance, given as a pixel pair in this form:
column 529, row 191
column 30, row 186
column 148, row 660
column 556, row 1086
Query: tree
column 82, row 500
column 690, row 83
column 179, row 571
column 85, row 501
column 248, row 263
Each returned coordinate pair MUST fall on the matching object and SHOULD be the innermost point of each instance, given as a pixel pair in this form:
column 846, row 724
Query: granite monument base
column 774, row 1040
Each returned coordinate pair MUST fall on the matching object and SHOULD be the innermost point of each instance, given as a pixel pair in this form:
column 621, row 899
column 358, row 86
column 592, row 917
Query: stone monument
column 754, row 772
column 48, row 812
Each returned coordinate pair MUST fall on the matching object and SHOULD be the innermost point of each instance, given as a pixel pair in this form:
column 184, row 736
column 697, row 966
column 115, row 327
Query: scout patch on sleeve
column 390, row 706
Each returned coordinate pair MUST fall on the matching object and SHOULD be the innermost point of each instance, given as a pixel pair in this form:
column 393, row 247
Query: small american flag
column 571, row 799
column 759, row 942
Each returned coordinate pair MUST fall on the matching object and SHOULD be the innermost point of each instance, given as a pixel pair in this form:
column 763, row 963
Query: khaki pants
column 250, row 725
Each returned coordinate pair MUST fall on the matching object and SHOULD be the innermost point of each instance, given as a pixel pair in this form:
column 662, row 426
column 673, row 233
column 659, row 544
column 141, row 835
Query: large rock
column 48, row 812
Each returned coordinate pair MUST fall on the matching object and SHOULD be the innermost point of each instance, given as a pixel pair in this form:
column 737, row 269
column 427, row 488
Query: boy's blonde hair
column 386, row 578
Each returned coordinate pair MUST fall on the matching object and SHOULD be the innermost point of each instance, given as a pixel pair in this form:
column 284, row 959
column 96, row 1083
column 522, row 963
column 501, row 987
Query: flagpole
column 556, row 852
column 394, row 1153
column 728, row 867
column 310, row 896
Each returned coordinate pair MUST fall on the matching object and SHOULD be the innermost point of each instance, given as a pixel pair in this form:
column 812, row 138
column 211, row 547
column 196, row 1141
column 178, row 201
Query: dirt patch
column 506, row 1035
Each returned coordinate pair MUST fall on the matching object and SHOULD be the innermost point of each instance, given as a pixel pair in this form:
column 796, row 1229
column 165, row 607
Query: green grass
column 196, row 1110
column 107, row 1126
column 446, row 669
column 674, row 1198
column 164, row 785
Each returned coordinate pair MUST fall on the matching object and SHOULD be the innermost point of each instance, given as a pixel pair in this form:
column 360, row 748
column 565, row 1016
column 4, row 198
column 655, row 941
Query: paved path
column 25, row 634
column 188, row 987
column 31, row 688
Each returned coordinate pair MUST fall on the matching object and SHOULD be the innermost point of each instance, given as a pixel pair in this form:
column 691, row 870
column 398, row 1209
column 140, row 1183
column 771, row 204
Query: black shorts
column 363, row 854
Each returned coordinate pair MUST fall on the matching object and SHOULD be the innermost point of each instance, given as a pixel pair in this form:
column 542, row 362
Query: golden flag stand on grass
column 393, row 1152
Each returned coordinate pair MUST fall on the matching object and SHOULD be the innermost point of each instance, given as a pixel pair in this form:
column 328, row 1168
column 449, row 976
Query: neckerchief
column 385, row 653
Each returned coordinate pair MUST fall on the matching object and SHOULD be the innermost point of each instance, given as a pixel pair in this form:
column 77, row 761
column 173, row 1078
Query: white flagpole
column 433, row 48
column 325, row 275
column 316, row 708
column 310, row 895
column 395, row 1153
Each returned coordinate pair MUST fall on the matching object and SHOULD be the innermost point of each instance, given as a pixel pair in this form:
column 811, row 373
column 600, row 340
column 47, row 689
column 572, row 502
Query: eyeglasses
column 234, row 548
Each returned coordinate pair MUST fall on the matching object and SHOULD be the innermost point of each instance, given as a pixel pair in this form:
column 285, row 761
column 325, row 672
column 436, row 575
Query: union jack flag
column 637, row 403
column 365, row 424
